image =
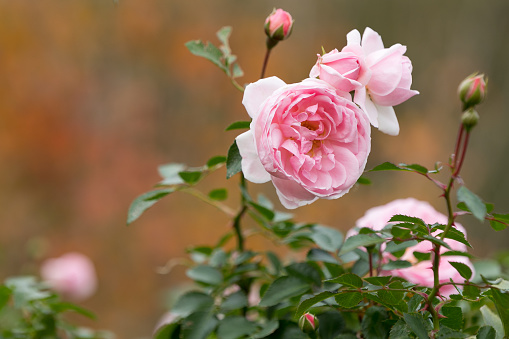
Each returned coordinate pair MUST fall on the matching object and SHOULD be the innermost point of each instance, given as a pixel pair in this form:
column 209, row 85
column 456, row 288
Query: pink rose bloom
column 305, row 137
column 72, row 275
column 382, row 79
column 279, row 24
column 420, row 273
column 345, row 71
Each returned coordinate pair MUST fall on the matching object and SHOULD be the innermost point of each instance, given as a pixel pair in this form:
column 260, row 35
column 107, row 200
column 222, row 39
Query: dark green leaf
column 316, row 254
column 348, row 299
column 65, row 306
column 436, row 240
column 473, row 202
column 190, row 177
column 233, row 161
column 422, row 256
column 409, row 219
column 310, row 302
column 348, row 279
column 463, row 270
column 327, row 238
column 166, row 331
column 5, row 295
column 268, row 329
column 283, row 288
column 216, row 161
column 486, row 332
column 392, row 247
column 238, row 125
column 306, row 272
column 417, row 324
column 501, row 300
column 145, row 201
column 386, row 166
column 198, row 325
column 401, row 233
column 452, row 253
column 265, row 212
column 363, row 181
column 498, row 226
column 288, row 330
column 373, row 324
column 448, row 333
column 234, row 301
column 471, row 292
column 192, row 302
column 378, row 281
column 454, row 317
column 235, row 327
column 400, row 330
column 415, row 167
column 331, row 325
column 396, row 265
column 275, row 263
column 218, row 194
column 457, row 235
column 391, row 297
column 414, row 304
column 205, row 274
column 360, row 240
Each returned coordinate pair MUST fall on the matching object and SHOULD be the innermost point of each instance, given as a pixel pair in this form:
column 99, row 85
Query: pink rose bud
column 308, row 323
column 278, row 25
column 73, row 275
column 472, row 90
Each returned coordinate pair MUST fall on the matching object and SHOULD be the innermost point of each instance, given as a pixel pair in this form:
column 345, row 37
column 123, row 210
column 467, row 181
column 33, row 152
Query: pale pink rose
column 389, row 80
column 310, row 141
column 279, row 24
column 377, row 218
column 345, row 71
column 73, row 275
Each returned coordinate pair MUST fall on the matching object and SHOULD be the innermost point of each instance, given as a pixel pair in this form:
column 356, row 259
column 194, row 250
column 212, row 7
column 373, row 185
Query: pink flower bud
column 278, row 25
column 72, row 275
column 308, row 323
column 472, row 90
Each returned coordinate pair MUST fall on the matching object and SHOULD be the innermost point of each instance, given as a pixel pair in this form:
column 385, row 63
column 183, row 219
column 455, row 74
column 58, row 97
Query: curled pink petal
column 251, row 166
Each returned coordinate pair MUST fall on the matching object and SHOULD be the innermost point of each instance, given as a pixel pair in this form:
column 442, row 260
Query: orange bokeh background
column 95, row 95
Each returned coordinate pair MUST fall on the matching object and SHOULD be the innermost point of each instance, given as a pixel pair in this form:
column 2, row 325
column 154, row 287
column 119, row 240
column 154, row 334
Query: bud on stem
column 469, row 119
column 472, row 90
column 308, row 323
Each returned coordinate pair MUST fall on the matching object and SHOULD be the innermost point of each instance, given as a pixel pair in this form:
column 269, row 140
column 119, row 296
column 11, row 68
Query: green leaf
column 216, row 161
column 417, row 324
column 454, row 234
column 265, row 212
column 408, row 219
column 501, row 300
column 448, row 333
column 373, row 324
column 378, row 281
column 460, row 253
column 363, row 181
column 498, row 226
column 306, row 272
column 422, row 256
column 332, row 324
column 316, row 254
column 486, row 332
column 205, row 274
column 348, row 279
column 454, row 317
column 360, row 240
column 235, row 327
column 198, row 325
column 237, row 71
column 234, row 301
column 275, row 263
column 192, row 302
column 473, row 202
column 145, row 201
column 170, row 174
column 218, row 194
column 190, row 177
column 396, row 265
column 415, row 168
column 238, row 125
column 224, row 35
column 25, row 289
column 5, row 295
column 288, row 330
column 386, row 166
column 65, row 306
column 471, row 292
column 233, row 161
column 306, row 304
column 400, row 330
column 463, row 270
column 391, row 297
column 283, row 288
column 268, row 328
column 348, row 299
column 436, row 240
column 492, row 319
column 207, row 51
column 327, row 238
column 166, row 331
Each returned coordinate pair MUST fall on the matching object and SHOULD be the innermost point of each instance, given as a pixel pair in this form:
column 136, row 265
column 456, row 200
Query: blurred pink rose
column 310, row 141
column 377, row 218
column 73, row 275
column 345, row 71
column 279, row 24
column 381, row 77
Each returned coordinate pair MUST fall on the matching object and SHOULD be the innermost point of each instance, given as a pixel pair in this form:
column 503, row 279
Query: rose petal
column 387, row 121
column 397, row 96
column 256, row 93
column 371, row 41
column 291, row 194
column 251, row 165
column 353, row 37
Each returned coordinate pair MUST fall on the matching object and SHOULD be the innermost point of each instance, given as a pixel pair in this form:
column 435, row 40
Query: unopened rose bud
column 472, row 90
column 470, row 118
column 278, row 26
column 308, row 323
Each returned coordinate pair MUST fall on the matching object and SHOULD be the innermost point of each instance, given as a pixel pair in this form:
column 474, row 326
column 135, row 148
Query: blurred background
column 94, row 96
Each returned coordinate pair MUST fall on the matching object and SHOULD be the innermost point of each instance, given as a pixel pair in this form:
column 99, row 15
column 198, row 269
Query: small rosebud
column 308, row 323
column 472, row 90
column 278, row 26
column 470, row 118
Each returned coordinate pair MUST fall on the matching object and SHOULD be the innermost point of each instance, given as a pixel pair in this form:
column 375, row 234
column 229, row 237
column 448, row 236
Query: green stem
column 237, row 86
column 240, row 214
column 205, row 198
column 265, row 62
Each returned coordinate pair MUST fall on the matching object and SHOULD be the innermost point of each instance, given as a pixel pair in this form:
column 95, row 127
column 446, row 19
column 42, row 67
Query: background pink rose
column 420, row 273
column 310, row 141
column 73, row 275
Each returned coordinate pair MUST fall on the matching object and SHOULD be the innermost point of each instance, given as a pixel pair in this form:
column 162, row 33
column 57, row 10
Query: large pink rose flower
column 420, row 273
column 305, row 137
column 73, row 275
